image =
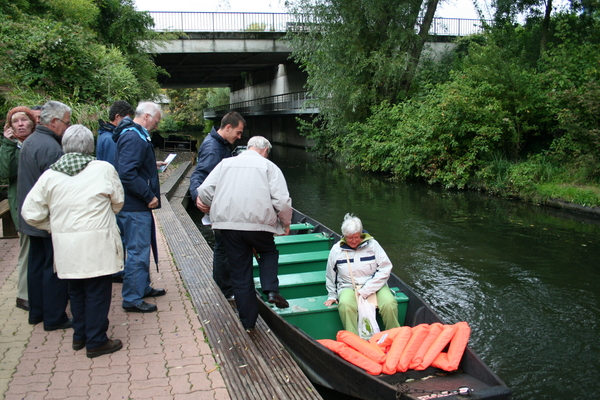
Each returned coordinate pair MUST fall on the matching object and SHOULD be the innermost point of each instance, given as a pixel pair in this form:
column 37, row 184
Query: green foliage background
column 514, row 110
column 85, row 53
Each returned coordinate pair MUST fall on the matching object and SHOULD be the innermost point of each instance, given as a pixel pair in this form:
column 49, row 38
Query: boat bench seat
column 322, row 322
column 298, row 262
column 303, row 243
column 305, row 226
column 300, row 285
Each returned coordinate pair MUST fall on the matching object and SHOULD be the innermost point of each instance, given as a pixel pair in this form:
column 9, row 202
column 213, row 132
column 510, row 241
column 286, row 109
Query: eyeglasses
column 66, row 123
column 154, row 119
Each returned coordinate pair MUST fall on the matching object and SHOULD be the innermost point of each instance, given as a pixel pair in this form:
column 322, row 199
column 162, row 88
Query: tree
column 357, row 54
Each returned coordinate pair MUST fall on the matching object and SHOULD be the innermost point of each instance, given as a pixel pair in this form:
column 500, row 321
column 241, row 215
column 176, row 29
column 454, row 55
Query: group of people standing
column 64, row 201
column 65, row 204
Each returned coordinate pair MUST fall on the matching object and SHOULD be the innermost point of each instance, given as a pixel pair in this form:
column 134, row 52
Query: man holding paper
column 136, row 163
column 215, row 147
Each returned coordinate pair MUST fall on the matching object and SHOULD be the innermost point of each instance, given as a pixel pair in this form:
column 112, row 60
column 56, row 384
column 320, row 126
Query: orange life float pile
column 404, row 348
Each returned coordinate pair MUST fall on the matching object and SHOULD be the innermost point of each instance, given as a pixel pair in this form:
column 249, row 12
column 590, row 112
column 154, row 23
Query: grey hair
column 148, row 107
column 351, row 225
column 53, row 109
column 78, row 139
column 259, row 142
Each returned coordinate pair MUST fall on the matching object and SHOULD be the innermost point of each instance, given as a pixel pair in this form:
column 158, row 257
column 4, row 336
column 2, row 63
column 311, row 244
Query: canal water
column 526, row 278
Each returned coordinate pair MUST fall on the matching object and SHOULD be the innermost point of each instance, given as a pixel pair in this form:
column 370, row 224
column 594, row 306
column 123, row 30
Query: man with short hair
column 214, row 148
column 136, row 163
column 48, row 295
column 249, row 203
column 106, row 146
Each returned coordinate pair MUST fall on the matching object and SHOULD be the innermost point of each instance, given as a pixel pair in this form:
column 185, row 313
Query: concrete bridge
column 244, row 51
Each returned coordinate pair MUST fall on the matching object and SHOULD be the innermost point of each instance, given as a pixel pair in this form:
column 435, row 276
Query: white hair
column 259, row 142
column 351, row 225
column 53, row 109
column 78, row 139
column 148, row 107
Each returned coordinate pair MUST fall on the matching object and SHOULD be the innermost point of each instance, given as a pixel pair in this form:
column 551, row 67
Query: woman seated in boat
column 358, row 257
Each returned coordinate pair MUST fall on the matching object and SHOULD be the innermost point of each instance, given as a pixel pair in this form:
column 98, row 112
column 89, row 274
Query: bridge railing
column 278, row 22
column 288, row 103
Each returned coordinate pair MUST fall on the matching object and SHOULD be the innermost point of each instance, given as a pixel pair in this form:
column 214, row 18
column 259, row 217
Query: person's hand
column 201, row 206
column 287, row 230
column 160, row 164
column 9, row 133
column 330, row 302
column 153, row 203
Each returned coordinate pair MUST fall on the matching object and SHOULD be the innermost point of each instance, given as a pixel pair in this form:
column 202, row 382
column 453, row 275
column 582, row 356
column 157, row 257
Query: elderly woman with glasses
column 358, row 266
column 76, row 201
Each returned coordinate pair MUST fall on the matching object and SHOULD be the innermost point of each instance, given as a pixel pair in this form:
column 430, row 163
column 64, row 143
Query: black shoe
column 22, row 304
column 110, row 347
column 117, row 278
column 35, row 321
column 143, row 307
column 155, row 293
column 78, row 344
column 65, row 325
column 278, row 300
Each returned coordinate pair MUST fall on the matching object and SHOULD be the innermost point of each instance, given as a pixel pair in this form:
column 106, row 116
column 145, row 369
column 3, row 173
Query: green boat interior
column 302, row 264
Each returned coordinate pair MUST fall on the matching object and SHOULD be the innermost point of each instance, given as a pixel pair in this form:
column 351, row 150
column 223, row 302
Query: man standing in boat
column 249, row 203
column 214, row 148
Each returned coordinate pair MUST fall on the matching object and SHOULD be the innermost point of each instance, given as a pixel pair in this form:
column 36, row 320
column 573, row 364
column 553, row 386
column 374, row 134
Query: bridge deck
column 254, row 366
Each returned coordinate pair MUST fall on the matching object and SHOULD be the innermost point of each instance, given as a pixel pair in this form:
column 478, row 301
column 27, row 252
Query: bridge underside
column 218, row 59
column 189, row 70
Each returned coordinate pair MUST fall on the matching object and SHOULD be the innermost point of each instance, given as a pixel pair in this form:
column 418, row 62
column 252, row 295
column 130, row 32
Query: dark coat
column 41, row 149
column 136, row 164
column 213, row 149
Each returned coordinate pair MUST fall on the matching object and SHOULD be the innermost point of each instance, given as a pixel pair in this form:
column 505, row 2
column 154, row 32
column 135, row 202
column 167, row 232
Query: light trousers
column 386, row 306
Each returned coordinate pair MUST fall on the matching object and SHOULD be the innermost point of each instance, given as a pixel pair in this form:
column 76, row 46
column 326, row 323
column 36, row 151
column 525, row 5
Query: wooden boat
column 302, row 263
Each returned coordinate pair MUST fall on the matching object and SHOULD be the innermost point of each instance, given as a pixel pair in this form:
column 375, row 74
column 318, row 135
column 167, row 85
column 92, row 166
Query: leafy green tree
column 357, row 54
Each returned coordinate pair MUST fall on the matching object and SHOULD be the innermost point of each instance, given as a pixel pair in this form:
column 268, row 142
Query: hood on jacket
column 106, row 126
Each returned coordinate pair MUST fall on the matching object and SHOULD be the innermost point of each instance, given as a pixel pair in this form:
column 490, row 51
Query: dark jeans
column 239, row 245
column 48, row 295
column 90, row 304
column 220, row 266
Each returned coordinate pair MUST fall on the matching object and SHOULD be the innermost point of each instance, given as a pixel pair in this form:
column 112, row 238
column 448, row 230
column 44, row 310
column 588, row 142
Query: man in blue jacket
column 106, row 146
column 215, row 147
column 136, row 163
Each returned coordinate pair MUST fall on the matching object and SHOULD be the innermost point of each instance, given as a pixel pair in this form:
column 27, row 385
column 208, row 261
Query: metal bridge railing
column 279, row 22
column 288, row 103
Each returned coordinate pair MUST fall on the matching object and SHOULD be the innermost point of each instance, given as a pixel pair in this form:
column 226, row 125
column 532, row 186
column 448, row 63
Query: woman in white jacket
column 371, row 268
column 76, row 200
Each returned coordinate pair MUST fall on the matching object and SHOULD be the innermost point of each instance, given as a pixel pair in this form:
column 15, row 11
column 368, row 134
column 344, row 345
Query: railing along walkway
column 281, row 22
column 255, row 365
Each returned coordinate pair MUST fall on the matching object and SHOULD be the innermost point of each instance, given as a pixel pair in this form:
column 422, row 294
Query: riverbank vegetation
column 85, row 53
column 514, row 110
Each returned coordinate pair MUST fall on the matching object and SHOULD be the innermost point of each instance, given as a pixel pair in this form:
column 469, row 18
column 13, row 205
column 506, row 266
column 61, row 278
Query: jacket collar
column 47, row 131
column 365, row 237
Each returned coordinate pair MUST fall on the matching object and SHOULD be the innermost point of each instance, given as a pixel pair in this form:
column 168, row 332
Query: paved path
column 164, row 355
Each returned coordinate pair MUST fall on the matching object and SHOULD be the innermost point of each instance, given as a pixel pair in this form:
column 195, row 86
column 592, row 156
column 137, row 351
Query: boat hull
column 327, row 369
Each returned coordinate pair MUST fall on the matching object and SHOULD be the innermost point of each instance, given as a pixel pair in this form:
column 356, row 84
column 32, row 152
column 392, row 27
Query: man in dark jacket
column 214, row 148
column 136, row 163
column 48, row 295
column 106, row 146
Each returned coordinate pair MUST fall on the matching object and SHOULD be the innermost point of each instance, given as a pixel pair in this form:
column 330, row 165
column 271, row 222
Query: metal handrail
column 280, row 22
column 280, row 102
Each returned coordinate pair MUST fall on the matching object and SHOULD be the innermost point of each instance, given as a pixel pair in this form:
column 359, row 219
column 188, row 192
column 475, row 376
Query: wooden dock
column 254, row 365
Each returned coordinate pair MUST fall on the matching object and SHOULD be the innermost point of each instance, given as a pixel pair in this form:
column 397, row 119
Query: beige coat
column 79, row 211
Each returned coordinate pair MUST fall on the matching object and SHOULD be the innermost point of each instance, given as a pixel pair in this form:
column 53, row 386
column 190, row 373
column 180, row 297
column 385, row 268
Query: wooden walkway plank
column 253, row 365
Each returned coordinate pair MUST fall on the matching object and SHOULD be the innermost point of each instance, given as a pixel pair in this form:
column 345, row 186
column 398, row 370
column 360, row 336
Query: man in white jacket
column 249, row 203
